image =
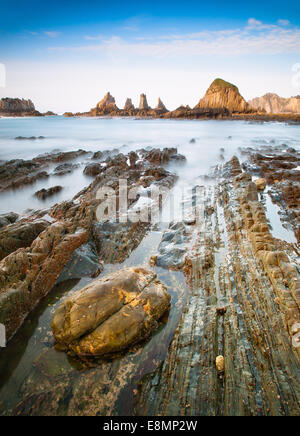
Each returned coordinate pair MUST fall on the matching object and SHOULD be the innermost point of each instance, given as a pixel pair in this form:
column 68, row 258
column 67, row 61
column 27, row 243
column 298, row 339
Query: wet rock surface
column 18, row 172
column 42, row 194
column 112, row 313
column 279, row 167
column 19, row 235
column 84, row 262
column 8, row 218
column 35, row 253
column 240, row 324
column 234, row 340
column 28, row 274
column 64, row 169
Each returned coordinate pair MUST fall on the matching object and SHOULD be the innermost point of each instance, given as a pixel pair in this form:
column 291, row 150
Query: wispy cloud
column 252, row 22
column 255, row 37
column 94, row 37
column 51, row 33
column 282, row 22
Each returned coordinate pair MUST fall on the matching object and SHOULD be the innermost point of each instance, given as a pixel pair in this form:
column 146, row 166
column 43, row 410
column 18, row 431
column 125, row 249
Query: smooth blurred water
column 93, row 134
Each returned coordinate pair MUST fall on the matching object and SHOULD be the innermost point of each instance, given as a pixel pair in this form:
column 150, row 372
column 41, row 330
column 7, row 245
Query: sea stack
column 128, row 105
column 107, row 101
column 107, row 106
column 222, row 94
column 161, row 107
column 143, row 103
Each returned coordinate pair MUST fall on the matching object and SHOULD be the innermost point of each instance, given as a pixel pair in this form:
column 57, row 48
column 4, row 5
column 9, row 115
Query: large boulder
column 111, row 313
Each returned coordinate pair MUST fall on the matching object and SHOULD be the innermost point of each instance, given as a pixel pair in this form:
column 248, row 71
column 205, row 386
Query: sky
column 65, row 55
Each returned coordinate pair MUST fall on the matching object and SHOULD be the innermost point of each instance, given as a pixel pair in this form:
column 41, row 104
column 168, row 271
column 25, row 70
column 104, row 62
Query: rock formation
column 128, row 105
column 20, row 234
column 231, row 343
column 106, row 106
column 35, row 251
column 8, row 218
column 28, row 274
column 272, row 103
column 42, row 194
column 107, row 100
column 16, row 105
column 244, row 310
column 143, row 103
column 112, row 313
column 19, row 172
column 161, row 107
column 221, row 95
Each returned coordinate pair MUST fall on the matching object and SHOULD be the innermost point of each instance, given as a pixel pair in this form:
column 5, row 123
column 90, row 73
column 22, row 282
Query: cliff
column 12, row 107
column 222, row 94
column 16, row 106
column 272, row 103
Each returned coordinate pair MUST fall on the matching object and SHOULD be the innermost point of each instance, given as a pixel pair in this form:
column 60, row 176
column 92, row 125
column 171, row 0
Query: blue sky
column 65, row 55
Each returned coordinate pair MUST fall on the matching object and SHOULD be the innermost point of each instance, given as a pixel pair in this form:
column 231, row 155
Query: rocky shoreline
column 234, row 336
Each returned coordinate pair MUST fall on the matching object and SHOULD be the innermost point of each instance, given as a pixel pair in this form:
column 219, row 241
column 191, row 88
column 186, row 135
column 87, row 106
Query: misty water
column 199, row 141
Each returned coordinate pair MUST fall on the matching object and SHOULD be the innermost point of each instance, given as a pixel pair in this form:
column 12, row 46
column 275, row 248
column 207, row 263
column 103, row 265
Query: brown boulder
column 260, row 184
column 112, row 313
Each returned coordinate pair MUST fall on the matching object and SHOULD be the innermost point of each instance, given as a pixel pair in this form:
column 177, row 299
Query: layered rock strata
column 244, row 307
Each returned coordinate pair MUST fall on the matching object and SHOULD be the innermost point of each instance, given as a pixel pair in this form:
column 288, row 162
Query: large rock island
column 12, row 107
column 222, row 94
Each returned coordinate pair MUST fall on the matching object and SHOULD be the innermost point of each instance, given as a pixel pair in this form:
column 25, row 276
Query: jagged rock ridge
column 272, row 103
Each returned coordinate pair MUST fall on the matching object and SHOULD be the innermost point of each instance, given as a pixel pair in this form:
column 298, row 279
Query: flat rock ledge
column 112, row 313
